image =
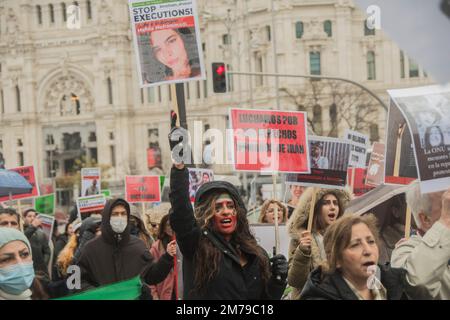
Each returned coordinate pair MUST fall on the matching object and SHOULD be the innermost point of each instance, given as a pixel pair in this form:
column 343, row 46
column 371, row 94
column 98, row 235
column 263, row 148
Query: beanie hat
column 10, row 234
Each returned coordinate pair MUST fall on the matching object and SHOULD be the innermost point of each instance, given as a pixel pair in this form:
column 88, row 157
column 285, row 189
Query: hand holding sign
column 172, row 248
column 305, row 242
column 178, row 141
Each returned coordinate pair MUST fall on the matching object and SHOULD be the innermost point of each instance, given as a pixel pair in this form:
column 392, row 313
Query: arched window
column 371, row 69
column 39, row 14
column 110, row 90
column 317, row 119
column 299, row 29
column 327, row 27
column 51, row 13
column 64, row 11
column 19, row 105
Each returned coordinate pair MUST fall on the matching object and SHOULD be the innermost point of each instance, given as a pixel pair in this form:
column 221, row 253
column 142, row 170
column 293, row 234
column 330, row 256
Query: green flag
column 106, row 192
column 45, row 204
column 125, row 290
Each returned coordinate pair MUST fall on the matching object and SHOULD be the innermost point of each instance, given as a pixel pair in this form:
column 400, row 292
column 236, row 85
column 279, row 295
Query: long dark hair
column 207, row 256
column 318, row 223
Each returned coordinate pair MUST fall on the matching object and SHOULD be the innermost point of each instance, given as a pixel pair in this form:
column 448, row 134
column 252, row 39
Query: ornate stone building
column 68, row 90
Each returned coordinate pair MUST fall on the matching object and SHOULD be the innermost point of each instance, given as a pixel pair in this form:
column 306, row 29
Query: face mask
column 16, row 278
column 118, row 224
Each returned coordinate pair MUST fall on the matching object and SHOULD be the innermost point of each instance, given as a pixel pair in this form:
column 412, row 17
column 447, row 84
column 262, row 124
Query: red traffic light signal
column 219, row 77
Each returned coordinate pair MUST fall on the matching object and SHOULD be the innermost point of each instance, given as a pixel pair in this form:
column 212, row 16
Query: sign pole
column 277, row 230
column 311, row 209
column 408, row 223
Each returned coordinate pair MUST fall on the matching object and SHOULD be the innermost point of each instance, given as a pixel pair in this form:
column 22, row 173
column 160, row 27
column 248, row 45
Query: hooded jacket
column 114, row 257
column 334, row 287
column 300, row 263
column 232, row 281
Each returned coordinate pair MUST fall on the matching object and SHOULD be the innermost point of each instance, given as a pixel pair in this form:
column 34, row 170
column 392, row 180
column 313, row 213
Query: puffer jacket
column 301, row 263
column 232, row 281
column 334, row 287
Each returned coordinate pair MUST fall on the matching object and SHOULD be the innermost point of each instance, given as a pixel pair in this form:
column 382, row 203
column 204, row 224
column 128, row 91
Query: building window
column 402, row 64
column 226, row 39
column 159, row 94
column 89, row 10
column 49, row 140
column 51, row 13
column 299, row 29
column 327, row 27
column 2, row 102
column 317, row 119
column 268, row 34
column 314, row 63
column 142, row 96
column 111, row 135
column 21, row 160
column 64, row 11
column 371, row 75
column 367, row 31
column 39, row 14
column 18, row 103
column 205, row 88
column 413, row 69
column 151, row 95
column 113, row 155
column 374, row 136
column 110, row 91
column 92, row 136
column 333, row 120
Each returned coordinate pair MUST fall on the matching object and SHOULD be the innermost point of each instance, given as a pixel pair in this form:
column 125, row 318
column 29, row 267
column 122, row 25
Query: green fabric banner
column 125, row 290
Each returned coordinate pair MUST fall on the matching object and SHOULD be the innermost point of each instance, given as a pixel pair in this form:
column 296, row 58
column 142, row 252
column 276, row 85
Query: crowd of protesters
column 339, row 256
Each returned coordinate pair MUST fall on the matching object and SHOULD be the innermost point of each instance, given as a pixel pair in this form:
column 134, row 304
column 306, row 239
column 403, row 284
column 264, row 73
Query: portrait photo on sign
column 169, row 54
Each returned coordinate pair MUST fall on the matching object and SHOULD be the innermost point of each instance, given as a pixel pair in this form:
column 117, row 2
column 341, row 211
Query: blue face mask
column 16, row 278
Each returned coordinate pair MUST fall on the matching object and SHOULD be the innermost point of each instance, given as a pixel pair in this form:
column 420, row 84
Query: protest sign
column 46, row 188
column 427, row 113
column 167, row 41
column 47, row 222
column 197, row 177
column 356, row 180
column 359, row 143
column 106, row 193
column 375, row 172
column 90, row 181
column 400, row 166
column 45, row 204
column 18, row 183
column 91, row 204
column 266, row 140
column 329, row 163
column 264, row 235
column 142, row 189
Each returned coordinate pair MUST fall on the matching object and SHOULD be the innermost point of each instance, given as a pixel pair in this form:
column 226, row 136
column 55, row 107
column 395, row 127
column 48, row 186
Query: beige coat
column 301, row 263
column 426, row 260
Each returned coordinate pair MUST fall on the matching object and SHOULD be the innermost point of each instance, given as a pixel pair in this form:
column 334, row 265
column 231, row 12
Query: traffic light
column 219, row 77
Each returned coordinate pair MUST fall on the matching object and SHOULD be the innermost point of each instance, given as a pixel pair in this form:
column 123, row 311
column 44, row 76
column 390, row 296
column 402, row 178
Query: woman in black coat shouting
column 221, row 258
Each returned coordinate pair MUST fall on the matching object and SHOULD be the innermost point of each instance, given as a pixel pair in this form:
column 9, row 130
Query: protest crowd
column 332, row 254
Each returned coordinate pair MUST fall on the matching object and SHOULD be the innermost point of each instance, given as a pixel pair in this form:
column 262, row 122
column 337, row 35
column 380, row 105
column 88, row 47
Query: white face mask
column 118, row 224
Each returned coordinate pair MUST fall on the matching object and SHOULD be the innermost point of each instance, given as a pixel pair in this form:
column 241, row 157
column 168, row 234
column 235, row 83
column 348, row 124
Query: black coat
column 116, row 257
column 232, row 280
column 334, row 287
column 39, row 248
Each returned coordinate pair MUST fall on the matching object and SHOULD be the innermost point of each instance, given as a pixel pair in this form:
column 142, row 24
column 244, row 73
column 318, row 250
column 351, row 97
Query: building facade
column 69, row 90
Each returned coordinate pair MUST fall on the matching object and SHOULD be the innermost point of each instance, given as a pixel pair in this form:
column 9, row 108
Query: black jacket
column 39, row 248
column 114, row 257
column 334, row 287
column 232, row 280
